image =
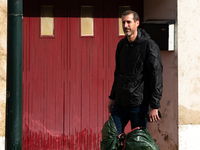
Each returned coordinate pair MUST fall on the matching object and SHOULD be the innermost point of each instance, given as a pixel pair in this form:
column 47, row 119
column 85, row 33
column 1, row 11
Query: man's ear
column 137, row 23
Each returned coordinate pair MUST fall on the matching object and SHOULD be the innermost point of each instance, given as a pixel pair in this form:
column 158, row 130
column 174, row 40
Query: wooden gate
column 68, row 66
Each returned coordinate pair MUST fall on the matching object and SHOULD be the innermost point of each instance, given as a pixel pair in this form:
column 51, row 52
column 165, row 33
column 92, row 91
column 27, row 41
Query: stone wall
column 3, row 51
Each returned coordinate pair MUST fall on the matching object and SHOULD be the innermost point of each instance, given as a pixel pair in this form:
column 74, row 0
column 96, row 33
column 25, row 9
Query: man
column 137, row 86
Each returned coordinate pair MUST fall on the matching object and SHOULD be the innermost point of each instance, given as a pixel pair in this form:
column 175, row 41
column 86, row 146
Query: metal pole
column 13, row 139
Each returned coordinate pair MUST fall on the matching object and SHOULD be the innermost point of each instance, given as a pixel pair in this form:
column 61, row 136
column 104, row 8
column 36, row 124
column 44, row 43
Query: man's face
column 129, row 25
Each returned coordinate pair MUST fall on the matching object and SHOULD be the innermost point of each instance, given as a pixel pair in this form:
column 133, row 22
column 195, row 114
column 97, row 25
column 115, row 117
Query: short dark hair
column 128, row 12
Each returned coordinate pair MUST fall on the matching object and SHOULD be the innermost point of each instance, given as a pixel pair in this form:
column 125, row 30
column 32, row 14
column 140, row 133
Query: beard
column 128, row 32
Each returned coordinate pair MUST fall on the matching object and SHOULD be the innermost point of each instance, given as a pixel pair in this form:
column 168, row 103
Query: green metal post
column 14, row 76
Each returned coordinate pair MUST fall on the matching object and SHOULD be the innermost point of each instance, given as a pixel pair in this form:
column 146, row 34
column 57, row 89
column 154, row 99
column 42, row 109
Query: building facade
column 179, row 105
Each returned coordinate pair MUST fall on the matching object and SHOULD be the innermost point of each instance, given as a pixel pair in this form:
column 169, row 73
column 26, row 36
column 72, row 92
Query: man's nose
column 125, row 24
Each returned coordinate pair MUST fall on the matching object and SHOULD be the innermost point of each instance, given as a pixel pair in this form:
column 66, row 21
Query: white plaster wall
column 189, row 58
column 165, row 132
column 3, row 49
column 189, row 137
column 189, row 74
column 2, row 143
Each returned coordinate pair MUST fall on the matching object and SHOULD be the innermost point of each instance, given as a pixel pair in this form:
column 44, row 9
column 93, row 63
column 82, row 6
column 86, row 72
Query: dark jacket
column 138, row 73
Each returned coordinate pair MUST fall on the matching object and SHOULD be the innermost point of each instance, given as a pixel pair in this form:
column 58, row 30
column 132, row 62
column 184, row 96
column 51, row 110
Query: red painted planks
column 67, row 78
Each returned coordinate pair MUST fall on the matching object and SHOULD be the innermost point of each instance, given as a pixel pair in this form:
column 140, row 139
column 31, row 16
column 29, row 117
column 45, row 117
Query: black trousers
column 136, row 115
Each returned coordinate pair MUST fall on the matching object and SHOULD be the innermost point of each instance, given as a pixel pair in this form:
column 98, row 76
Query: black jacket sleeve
column 155, row 69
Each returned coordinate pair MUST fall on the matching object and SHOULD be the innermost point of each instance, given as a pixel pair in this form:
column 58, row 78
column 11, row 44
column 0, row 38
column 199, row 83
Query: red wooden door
column 67, row 76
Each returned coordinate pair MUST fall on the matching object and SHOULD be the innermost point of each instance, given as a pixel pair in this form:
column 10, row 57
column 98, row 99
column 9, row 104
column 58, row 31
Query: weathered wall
column 189, row 68
column 3, row 46
column 165, row 132
column 189, row 74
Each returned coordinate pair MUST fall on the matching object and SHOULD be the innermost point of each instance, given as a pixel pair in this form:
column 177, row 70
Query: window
column 47, row 21
column 87, row 21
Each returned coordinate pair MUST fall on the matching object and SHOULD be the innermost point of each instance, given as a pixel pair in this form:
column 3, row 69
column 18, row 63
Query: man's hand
column 110, row 105
column 153, row 115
